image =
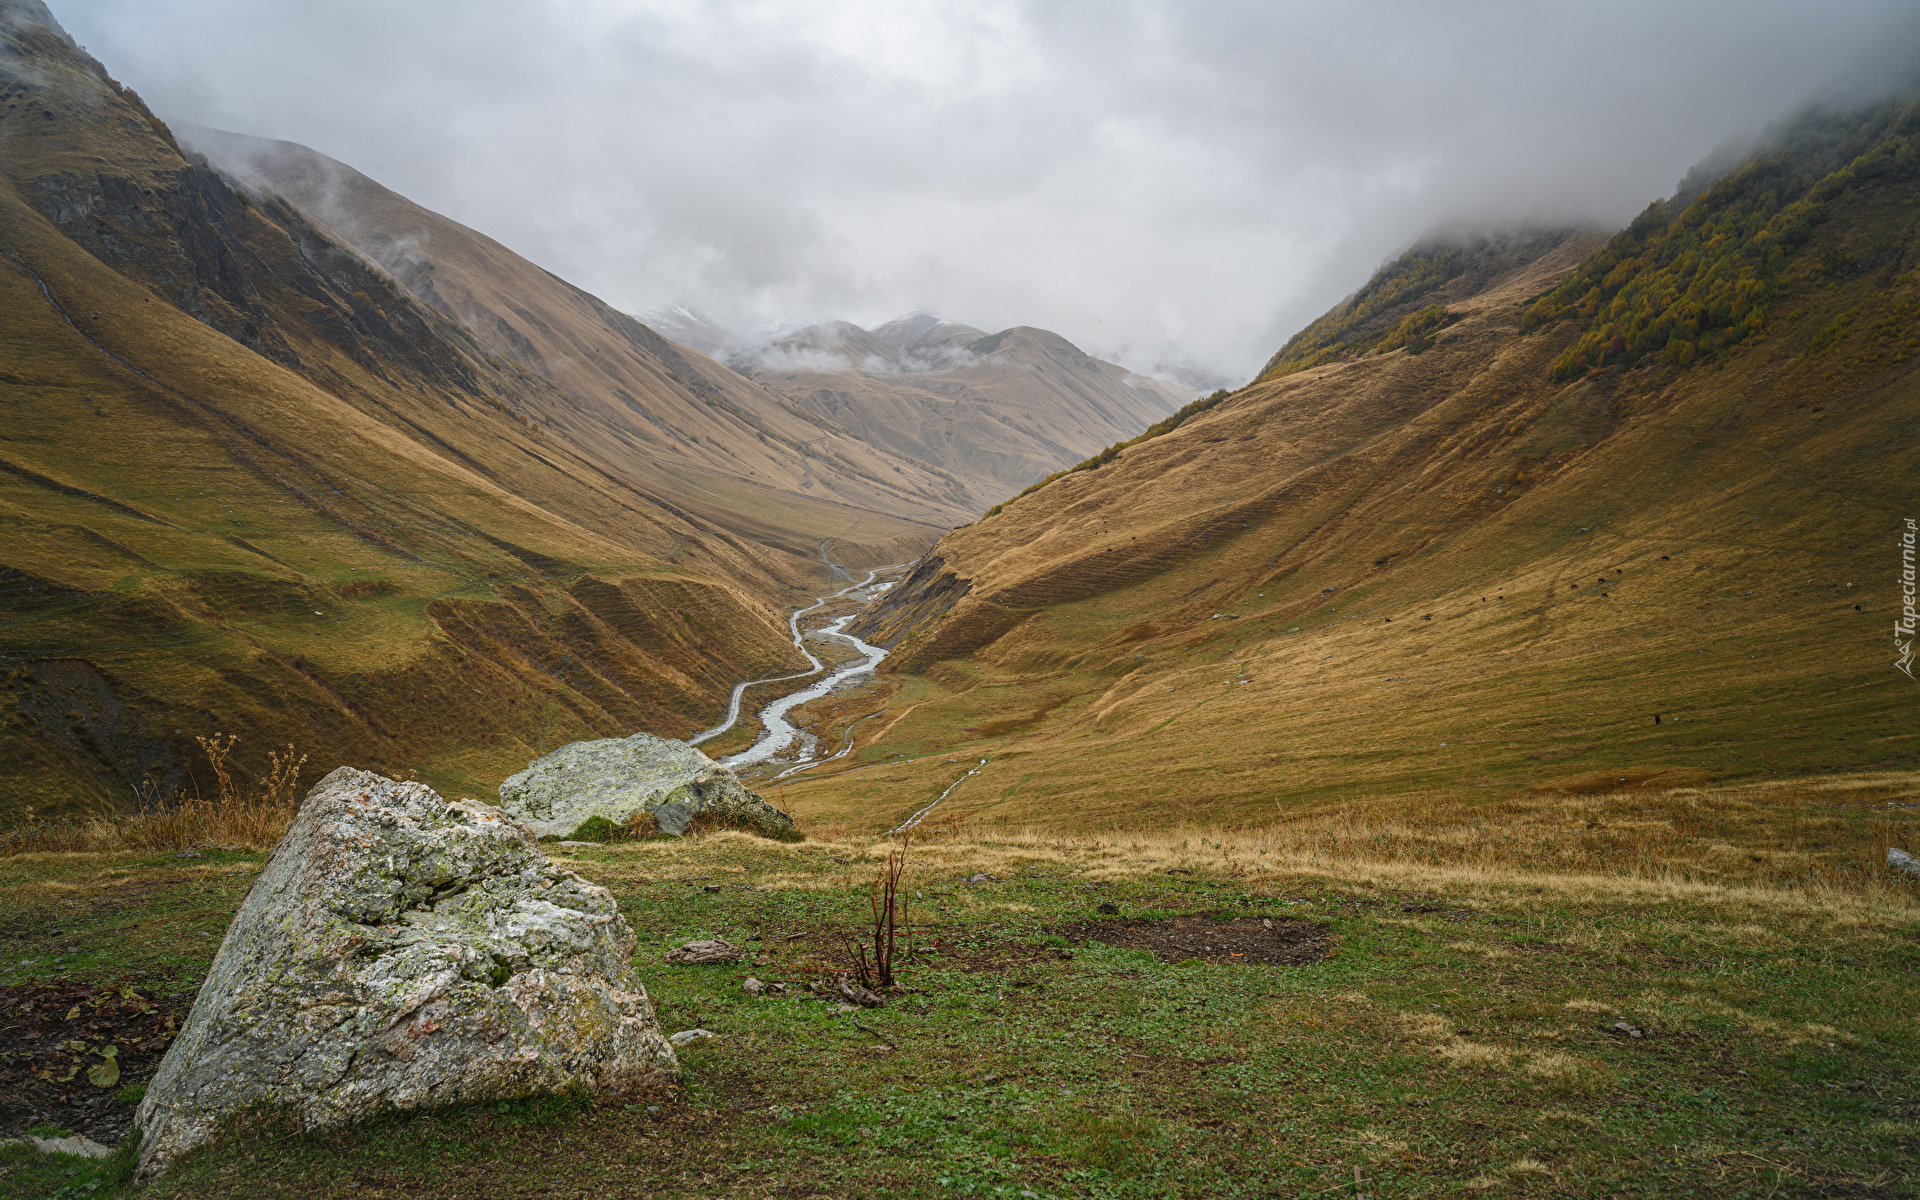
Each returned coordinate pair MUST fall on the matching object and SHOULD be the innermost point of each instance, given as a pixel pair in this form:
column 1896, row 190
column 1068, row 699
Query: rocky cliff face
column 924, row 596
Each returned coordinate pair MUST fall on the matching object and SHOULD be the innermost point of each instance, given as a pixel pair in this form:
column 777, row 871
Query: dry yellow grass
column 1809, row 848
column 232, row 818
column 412, row 522
column 1804, row 846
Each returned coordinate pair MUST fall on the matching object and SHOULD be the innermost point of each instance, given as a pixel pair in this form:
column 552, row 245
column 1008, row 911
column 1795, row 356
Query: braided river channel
column 778, row 733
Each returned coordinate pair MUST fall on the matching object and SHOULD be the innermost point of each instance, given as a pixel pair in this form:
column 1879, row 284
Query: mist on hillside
column 1178, row 188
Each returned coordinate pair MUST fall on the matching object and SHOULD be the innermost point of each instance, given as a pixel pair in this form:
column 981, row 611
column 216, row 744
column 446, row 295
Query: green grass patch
column 1467, row 1032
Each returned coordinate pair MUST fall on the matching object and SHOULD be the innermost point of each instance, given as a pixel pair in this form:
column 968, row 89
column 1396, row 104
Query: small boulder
column 752, row 986
column 615, row 779
column 400, row 951
column 690, row 1035
column 75, row 1145
column 706, row 950
column 1900, row 860
column 853, row 993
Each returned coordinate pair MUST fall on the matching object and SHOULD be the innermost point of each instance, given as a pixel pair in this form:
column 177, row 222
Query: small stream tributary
column 778, row 732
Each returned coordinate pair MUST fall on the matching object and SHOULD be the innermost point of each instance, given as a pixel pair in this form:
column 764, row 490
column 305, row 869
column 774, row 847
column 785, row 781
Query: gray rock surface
column 853, row 993
column 618, row 777
column 706, row 950
column 77, row 1146
column 1900, row 860
column 400, row 951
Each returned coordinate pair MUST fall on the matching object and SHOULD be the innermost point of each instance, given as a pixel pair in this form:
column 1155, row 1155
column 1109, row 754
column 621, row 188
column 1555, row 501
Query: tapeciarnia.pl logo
column 1903, row 625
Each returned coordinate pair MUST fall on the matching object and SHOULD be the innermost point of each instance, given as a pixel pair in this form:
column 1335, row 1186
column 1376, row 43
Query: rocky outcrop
column 923, row 597
column 616, row 778
column 400, row 951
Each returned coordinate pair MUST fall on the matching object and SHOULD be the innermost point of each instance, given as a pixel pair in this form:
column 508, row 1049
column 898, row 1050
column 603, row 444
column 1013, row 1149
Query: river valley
column 777, row 732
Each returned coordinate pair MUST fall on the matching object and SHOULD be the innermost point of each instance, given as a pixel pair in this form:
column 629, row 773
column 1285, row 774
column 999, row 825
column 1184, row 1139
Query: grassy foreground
column 1465, row 1034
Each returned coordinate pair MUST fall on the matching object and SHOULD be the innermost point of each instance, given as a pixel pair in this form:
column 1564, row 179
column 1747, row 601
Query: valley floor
column 1689, row 992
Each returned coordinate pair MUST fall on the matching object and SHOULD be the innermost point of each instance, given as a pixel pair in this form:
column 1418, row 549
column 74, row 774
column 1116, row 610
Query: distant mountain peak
column 693, row 328
column 916, row 325
column 916, row 321
column 997, row 410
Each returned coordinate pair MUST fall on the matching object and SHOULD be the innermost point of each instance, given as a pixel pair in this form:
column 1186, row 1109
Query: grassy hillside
column 250, row 485
column 1447, row 567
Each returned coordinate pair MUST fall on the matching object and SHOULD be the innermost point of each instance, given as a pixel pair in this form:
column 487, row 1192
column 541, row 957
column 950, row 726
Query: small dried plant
column 217, row 755
column 887, row 904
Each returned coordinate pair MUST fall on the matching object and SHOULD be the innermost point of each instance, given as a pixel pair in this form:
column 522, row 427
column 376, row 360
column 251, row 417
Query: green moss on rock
column 400, row 951
column 628, row 780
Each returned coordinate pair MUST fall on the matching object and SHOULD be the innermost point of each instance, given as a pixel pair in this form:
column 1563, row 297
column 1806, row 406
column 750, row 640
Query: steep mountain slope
column 1437, row 551
column 674, row 420
column 250, row 485
column 996, row 412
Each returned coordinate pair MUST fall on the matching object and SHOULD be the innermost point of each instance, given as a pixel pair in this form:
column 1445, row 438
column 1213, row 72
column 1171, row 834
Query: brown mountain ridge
column 657, row 412
column 253, row 483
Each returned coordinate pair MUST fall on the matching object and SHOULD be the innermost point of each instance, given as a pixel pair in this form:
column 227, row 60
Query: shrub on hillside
column 1693, row 276
column 1416, row 331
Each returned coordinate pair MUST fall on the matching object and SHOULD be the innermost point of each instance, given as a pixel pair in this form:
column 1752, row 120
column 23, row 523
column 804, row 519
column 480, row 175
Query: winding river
column 778, row 732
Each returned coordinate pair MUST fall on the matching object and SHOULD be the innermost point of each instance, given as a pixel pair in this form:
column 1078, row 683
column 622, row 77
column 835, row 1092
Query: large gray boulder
column 618, row 777
column 400, row 951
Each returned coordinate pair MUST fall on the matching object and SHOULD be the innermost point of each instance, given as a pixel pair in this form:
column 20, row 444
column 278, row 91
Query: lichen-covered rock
column 615, row 778
column 706, row 950
column 399, row 951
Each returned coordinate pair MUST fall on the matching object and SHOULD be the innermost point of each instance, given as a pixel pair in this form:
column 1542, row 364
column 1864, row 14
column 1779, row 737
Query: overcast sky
column 1158, row 180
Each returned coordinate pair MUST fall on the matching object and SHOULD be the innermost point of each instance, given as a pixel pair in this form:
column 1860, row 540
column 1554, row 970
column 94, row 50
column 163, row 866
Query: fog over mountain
column 1165, row 185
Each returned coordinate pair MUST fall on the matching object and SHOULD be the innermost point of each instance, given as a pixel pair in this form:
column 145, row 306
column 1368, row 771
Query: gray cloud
column 1159, row 181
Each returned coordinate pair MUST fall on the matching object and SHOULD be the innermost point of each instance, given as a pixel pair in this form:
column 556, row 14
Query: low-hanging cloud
column 1168, row 183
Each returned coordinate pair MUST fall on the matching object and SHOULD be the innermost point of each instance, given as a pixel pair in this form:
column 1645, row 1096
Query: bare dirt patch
column 829, row 947
column 1275, row 941
column 54, row 1039
column 976, row 955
